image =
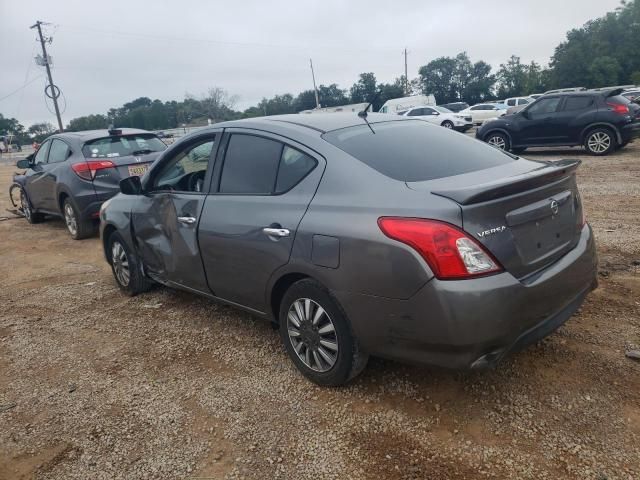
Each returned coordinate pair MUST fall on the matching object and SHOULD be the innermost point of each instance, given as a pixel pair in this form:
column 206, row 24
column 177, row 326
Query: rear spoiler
column 511, row 185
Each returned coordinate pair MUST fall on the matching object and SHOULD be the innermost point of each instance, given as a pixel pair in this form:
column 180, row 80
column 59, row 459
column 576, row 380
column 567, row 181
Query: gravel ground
column 97, row 385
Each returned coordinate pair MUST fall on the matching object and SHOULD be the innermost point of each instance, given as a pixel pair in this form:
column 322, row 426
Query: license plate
column 138, row 170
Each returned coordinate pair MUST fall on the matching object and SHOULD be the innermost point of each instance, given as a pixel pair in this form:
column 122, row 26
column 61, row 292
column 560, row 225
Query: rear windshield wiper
column 142, row 151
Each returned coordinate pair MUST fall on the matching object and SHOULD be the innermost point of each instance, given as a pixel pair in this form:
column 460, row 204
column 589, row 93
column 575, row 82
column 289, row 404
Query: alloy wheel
column 497, row 141
column 120, row 263
column 312, row 335
column 599, row 142
column 70, row 219
column 24, row 205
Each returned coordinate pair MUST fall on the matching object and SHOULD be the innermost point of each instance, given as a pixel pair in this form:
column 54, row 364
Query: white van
column 399, row 105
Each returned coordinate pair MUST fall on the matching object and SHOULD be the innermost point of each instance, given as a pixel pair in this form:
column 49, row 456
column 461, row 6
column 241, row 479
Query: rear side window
column 122, row 146
column 414, row 151
column 577, row 103
column 58, row 152
column 294, row 166
column 416, row 112
column 250, row 165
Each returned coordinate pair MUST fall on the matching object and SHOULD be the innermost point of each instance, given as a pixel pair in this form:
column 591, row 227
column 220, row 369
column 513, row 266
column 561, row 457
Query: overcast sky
column 109, row 52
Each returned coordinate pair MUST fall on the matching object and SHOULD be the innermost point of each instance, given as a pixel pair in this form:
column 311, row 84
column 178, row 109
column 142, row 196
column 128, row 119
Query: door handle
column 187, row 220
column 276, row 232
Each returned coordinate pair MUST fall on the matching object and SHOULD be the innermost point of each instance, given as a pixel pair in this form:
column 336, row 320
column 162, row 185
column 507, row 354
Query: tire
column 447, row 124
column 126, row 267
column 25, row 205
column 334, row 357
column 600, row 141
column 78, row 229
column 498, row 140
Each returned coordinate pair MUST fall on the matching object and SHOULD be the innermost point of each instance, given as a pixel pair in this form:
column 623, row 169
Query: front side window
column 544, row 106
column 59, row 151
column 416, row 112
column 41, row 156
column 186, row 171
column 122, row 146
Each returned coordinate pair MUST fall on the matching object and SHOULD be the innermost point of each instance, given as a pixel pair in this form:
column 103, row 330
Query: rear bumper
column 90, row 210
column 474, row 323
column 630, row 131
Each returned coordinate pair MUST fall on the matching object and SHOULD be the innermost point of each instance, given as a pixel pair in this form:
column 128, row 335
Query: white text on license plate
column 138, row 170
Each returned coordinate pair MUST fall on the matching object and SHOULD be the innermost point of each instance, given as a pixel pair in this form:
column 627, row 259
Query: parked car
column 601, row 121
column 516, row 101
column 72, row 173
column 441, row 116
column 396, row 105
column 633, row 95
column 455, row 106
column 356, row 238
column 483, row 111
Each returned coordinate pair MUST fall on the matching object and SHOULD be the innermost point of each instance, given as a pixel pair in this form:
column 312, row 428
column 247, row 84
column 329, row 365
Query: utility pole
column 54, row 92
column 406, row 78
column 315, row 89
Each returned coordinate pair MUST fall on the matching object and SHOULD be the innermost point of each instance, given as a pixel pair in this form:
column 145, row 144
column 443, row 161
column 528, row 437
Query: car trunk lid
column 528, row 217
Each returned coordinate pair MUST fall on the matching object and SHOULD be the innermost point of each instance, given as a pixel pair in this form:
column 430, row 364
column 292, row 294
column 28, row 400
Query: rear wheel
column 78, row 228
column 126, row 267
column 447, row 124
column 317, row 337
column 498, row 140
column 27, row 211
column 600, row 141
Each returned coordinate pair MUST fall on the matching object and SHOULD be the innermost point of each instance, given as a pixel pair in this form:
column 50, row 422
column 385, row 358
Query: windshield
column 414, row 150
column 123, row 145
column 443, row 110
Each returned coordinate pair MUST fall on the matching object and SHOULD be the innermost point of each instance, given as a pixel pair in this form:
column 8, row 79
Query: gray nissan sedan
column 380, row 235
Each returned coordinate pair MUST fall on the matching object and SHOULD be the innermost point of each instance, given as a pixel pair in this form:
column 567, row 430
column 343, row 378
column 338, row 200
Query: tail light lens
column 449, row 251
column 619, row 108
column 88, row 169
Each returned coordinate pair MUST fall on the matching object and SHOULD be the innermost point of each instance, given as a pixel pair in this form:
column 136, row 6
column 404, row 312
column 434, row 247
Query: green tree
column 512, row 78
column 40, row 131
column 88, row 122
column 364, row 89
column 602, row 52
column 436, row 78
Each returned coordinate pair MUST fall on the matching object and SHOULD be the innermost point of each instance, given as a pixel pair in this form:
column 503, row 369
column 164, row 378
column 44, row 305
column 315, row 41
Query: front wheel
column 600, row 141
column 317, row 337
column 126, row 267
column 78, row 228
column 447, row 124
column 27, row 210
column 498, row 140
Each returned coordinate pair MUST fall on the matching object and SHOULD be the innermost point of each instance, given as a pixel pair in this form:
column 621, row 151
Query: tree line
column 602, row 52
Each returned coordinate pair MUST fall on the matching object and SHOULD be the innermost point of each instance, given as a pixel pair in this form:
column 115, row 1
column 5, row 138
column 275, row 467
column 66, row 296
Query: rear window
column 414, row 151
column 122, row 146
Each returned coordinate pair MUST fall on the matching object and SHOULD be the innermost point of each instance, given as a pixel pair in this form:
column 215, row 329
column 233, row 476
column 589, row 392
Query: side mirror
column 524, row 113
column 435, row 113
column 131, row 186
column 24, row 163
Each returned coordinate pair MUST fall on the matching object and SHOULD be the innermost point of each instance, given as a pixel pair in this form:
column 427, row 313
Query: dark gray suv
column 72, row 173
column 380, row 235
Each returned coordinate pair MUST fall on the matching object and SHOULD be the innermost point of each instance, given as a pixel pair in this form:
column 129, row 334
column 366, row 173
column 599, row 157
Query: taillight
column 619, row 108
column 88, row 169
column 448, row 251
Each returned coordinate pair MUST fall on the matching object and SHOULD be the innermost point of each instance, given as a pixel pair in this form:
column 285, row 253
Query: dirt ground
column 169, row 385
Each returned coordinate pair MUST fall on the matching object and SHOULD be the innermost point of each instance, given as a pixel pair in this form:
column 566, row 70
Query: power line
column 22, row 87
